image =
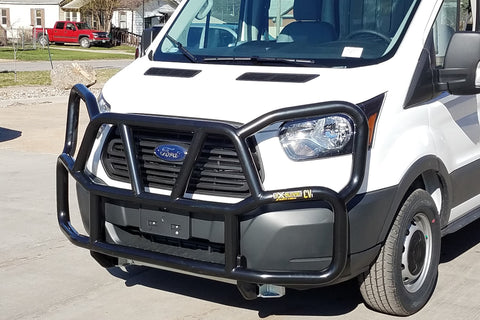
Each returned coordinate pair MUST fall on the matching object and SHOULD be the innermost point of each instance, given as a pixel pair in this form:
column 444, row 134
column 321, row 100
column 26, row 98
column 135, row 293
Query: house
column 18, row 17
column 129, row 14
column 28, row 13
column 71, row 9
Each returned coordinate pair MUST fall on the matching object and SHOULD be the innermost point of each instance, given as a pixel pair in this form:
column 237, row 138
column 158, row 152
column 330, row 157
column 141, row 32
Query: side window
column 72, row 16
column 466, row 17
column 280, row 14
column 5, row 17
column 37, row 17
column 453, row 16
column 194, row 35
column 123, row 20
column 219, row 37
column 60, row 25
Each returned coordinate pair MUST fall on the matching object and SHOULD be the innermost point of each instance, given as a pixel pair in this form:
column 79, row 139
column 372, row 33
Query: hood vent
column 277, row 77
column 168, row 72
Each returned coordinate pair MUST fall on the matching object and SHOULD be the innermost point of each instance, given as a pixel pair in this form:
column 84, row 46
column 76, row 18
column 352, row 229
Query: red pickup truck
column 71, row 32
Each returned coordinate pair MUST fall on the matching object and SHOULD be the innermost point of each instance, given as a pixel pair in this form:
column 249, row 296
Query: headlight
column 315, row 138
column 103, row 105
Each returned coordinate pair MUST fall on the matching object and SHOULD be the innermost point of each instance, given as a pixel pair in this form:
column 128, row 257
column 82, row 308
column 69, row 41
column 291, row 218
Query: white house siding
column 152, row 10
column 20, row 19
column 20, row 12
column 133, row 21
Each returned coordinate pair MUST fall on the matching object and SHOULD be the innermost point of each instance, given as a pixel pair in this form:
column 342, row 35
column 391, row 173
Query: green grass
column 122, row 48
column 67, row 53
column 58, row 53
column 104, row 74
column 25, row 78
column 42, row 78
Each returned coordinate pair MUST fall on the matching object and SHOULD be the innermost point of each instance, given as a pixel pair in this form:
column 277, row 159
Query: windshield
column 308, row 32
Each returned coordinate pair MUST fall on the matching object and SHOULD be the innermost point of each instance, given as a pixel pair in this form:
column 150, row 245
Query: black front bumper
column 234, row 266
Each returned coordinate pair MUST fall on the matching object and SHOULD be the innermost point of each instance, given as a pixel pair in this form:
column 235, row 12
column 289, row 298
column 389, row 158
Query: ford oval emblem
column 170, row 152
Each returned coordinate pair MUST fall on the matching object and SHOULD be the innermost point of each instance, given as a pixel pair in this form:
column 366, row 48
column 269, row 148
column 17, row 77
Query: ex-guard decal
column 293, row 195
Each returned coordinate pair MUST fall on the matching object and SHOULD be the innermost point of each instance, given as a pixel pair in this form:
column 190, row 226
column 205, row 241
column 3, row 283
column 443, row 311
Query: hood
column 232, row 92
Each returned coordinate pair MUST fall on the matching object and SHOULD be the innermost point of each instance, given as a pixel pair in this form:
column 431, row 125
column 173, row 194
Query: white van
column 330, row 140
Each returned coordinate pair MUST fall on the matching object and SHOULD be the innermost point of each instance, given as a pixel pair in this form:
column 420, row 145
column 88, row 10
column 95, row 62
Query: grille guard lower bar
column 233, row 268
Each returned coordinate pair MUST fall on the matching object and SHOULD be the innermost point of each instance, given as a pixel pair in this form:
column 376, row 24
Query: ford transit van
column 327, row 140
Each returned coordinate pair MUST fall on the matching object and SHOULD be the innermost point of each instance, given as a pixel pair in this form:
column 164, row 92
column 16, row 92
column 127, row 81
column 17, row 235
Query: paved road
column 43, row 276
column 10, row 65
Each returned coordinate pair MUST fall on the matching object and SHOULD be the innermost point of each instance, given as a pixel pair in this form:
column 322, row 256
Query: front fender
column 422, row 165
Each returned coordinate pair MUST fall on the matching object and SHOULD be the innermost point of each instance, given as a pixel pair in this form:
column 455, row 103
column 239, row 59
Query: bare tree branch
column 102, row 11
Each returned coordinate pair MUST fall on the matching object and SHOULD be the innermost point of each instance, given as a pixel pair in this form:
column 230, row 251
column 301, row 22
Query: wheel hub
column 417, row 252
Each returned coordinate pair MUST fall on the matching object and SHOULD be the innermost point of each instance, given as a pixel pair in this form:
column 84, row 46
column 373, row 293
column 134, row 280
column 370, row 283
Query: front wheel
column 84, row 42
column 404, row 276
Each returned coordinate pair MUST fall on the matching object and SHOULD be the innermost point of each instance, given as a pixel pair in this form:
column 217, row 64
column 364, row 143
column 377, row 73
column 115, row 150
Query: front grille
column 216, row 171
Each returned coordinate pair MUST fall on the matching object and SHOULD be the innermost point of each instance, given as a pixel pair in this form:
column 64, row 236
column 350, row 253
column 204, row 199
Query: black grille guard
column 234, row 265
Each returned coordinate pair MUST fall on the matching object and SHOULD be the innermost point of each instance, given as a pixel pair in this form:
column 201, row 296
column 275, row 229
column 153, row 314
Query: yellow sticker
column 307, row 194
column 293, row 195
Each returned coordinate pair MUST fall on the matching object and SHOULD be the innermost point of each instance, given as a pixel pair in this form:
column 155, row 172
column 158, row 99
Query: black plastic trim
column 422, row 86
column 217, row 170
column 465, row 182
column 277, row 77
column 461, row 222
column 422, row 165
column 233, row 268
column 174, row 73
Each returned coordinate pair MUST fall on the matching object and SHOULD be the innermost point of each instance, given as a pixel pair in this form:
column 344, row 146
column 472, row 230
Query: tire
column 404, row 275
column 84, row 42
column 43, row 40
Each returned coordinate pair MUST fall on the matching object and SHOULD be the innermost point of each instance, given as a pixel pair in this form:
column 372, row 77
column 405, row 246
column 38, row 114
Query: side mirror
column 461, row 72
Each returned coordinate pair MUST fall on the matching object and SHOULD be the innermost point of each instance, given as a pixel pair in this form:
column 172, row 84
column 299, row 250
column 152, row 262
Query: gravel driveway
column 28, row 92
column 10, row 65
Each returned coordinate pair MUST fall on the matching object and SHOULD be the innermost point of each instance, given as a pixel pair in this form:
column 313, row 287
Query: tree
column 101, row 11
column 130, row 4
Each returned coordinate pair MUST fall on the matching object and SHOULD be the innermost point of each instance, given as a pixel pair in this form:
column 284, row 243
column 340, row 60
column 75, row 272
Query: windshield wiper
column 261, row 60
column 184, row 50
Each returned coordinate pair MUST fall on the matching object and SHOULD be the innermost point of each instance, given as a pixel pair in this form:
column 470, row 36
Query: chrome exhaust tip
column 251, row 291
column 270, row 291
